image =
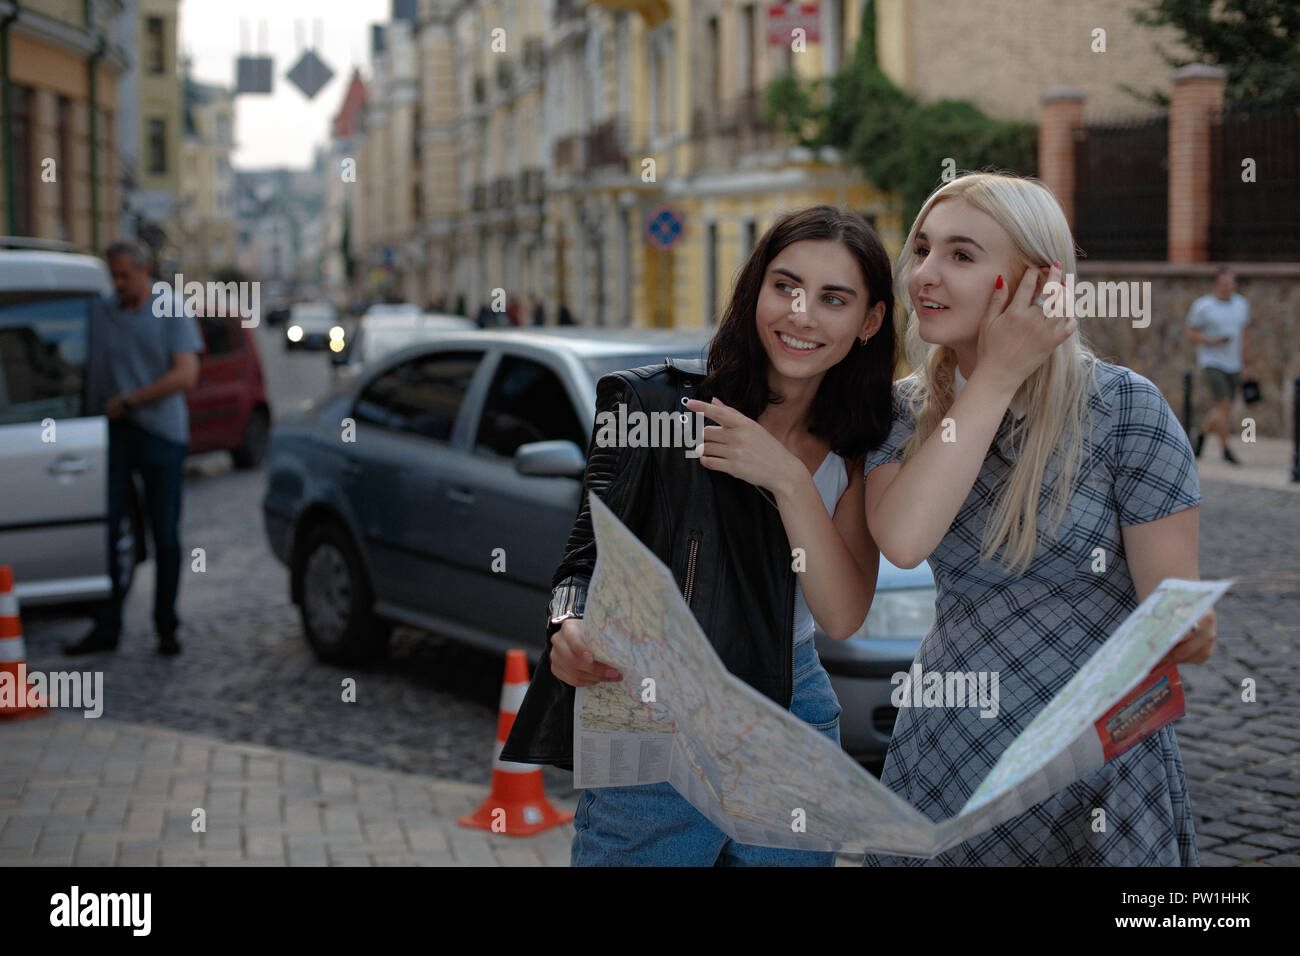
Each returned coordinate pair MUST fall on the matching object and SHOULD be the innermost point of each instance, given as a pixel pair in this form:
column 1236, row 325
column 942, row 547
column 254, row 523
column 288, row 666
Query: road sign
column 664, row 226
column 782, row 18
column 309, row 74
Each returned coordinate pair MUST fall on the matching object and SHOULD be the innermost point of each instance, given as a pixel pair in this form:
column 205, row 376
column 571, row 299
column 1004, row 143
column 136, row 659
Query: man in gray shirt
column 1217, row 323
column 144, row 355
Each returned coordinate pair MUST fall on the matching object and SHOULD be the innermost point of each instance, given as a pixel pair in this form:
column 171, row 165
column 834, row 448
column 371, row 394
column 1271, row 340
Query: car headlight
column 336, row 345
column 904, row 613
column 294, row 333
column 336, row 334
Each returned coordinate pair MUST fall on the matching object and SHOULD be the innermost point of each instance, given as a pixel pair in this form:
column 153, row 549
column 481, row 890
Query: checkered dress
column 1036, row 631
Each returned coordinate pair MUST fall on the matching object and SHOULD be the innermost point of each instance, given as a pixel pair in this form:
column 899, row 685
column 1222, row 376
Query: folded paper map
column 764, row 777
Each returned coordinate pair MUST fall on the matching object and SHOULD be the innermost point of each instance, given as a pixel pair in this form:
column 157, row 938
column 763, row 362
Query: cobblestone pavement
column 430, row 708
column 1243, row 759
column 106, row 793
column 246, row 673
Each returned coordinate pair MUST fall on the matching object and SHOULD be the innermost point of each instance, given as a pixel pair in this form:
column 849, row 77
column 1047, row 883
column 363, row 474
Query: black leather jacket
column 722, row 537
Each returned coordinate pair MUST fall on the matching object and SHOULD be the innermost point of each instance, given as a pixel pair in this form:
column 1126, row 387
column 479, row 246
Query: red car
column 228, row 407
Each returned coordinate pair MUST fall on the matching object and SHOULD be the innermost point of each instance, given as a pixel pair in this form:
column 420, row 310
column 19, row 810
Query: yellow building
column 1002, row 56
column 661, row 128
column 59, row 164
column 159, row 105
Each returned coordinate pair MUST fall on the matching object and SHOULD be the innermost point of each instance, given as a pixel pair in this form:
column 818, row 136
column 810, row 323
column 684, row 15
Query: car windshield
column 312, row 315
column 604, row 364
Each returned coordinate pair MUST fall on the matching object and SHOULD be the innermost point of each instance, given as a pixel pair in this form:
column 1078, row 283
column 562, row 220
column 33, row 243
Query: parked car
column 379, row 335
column 312, row 325
column 228, row 408
column 474, row 441
column 53, row 453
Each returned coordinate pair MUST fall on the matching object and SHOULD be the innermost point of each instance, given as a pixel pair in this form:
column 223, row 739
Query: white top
column 831, row 479
column 1219, row 319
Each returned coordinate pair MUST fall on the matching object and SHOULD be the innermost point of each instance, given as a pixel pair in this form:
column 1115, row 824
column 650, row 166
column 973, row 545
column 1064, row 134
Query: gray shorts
column 1220, row 383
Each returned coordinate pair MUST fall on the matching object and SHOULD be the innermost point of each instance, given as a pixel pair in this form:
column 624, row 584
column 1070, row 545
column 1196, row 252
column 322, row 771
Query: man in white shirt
column 1217, row 322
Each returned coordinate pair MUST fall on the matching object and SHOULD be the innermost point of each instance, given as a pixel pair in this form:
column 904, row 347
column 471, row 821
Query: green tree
column 1256, row 42
column 899, row 143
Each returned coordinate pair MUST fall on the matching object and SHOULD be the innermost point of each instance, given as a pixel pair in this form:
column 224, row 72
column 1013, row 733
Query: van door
column 54, row 507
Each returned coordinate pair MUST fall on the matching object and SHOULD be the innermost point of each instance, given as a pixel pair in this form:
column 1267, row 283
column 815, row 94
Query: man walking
column 141, row 362
column 1217, row 322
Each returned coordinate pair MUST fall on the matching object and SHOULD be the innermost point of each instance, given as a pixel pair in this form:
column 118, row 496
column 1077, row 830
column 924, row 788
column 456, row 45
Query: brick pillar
column 1061, row 111
column 1198, row 93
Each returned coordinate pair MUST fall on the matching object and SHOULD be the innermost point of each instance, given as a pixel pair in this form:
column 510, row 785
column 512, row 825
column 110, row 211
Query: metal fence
column 1255, row 184
column 1121, row 182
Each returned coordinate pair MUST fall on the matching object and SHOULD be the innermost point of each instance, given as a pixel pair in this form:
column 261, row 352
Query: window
column 24, row 174
column 526, row 403
column 155, row 50
column 42, row 357
column 66, row 178
column 157, row 146
column 748, row 59
column 421, row 397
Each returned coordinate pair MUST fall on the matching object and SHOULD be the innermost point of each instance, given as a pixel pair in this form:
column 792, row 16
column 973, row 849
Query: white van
column 53, row 455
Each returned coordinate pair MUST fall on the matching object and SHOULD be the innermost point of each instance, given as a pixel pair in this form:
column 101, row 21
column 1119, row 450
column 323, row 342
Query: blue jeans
column 653, row 825
column 159, row 463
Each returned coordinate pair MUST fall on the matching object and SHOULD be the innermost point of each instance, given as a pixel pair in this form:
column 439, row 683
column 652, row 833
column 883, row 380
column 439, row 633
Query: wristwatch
column 561, row 618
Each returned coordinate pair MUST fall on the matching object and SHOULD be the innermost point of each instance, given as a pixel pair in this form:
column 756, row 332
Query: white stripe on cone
column 8, row 605
column 509, row 766
column 12, row 649
column 512, row 695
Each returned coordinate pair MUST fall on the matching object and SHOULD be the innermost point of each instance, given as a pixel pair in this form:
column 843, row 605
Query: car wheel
column 253, row 449
column 337, row 603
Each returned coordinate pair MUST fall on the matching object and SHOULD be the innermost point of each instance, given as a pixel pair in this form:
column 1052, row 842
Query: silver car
column 438, row 489
column 54, row 509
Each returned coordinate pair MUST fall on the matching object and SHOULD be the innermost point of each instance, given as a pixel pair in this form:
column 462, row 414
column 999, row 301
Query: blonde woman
column 1051, row 492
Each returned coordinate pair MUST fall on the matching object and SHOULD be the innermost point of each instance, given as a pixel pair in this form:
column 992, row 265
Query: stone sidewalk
column 1265, row 463
column 101, row 792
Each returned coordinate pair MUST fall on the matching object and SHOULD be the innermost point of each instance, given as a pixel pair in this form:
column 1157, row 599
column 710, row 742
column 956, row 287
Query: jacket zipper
column 690, row 569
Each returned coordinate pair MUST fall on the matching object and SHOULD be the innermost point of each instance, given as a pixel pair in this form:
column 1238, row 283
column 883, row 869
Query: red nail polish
column 1056, row 264
column 999, row 283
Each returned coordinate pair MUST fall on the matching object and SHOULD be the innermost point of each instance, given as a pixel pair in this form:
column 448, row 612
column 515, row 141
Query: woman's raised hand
column 1016, row 336
column 572, row 662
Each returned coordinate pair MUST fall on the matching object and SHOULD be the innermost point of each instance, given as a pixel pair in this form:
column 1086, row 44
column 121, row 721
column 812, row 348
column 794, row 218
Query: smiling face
column 957, row 257
column 806, row 334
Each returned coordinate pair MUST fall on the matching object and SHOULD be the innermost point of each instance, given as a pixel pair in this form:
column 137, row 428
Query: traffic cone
column 13, row 655
column 517, row 803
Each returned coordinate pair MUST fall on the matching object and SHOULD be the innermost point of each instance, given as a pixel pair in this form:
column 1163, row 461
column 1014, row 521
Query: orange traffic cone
column 13, row 656
column 517, row 803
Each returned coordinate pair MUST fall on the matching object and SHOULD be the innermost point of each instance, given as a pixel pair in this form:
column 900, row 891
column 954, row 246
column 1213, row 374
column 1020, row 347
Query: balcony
column 604, row 145
column 478, row 198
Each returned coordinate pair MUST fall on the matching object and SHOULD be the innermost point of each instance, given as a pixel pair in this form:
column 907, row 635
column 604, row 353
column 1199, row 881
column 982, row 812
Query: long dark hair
column 852, row 405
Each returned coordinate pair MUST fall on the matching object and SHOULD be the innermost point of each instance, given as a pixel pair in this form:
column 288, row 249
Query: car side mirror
column 553, row 459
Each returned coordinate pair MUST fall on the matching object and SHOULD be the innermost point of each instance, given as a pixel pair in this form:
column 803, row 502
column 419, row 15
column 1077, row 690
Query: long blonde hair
column 1056, row 392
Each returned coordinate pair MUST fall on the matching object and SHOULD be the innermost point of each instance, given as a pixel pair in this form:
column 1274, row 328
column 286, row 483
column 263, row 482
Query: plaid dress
column 1035, row 631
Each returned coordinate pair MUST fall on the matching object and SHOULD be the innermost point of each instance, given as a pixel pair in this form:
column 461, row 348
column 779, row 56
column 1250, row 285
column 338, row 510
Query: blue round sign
column 664, row 226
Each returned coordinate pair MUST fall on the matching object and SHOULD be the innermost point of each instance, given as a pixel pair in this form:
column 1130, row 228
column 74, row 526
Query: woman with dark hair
column 798, row 384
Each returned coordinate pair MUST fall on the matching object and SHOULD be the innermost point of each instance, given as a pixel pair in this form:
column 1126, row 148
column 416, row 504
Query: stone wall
column 1162, row 353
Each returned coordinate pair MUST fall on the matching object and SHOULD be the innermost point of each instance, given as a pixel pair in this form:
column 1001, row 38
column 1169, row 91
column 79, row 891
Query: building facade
column 58, row 164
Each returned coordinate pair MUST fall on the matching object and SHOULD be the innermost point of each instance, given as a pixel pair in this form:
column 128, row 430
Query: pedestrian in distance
column 1217, row 322
column 144, row 355
column 1051, row 493
column 797, row 387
